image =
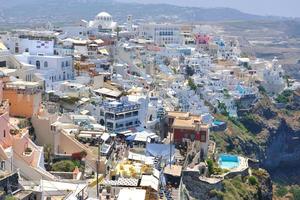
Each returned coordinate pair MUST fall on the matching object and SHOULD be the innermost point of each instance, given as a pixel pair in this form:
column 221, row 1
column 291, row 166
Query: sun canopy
column 160, row 150
column 149, row 181
column 105, row 137
column 142, row 136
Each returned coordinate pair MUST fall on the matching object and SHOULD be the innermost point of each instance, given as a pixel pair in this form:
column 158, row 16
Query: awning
column 150, row 181
column 160, row 150
column 103, row 52
column 130, row 138
column 105, row 136
column 84, row 112
column 84, row 136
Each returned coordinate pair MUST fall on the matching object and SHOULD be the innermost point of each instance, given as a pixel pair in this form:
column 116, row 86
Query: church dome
column 104, row 16
column 103, row 21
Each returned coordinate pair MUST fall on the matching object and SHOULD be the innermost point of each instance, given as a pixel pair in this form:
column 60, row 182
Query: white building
column 50, row 68
column 102, row 23
column 33, row 42
column 73, row 90
column 117, row 115
column 161, row 33
column 199, row 62
column 273, row 80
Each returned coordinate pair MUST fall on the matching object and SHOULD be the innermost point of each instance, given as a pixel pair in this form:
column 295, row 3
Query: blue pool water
column 227, row 161
column 217, row 122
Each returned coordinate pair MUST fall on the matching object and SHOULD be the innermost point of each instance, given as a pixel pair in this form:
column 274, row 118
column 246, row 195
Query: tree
column 48, row 153
column 222, row 108
column 284, row 97
column 261, row 89
column 192, row 84
column 210, row 166
column 253, row 180
column 118, row 30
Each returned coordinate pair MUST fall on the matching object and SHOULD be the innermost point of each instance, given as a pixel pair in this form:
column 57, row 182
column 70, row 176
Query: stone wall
column 193, row 188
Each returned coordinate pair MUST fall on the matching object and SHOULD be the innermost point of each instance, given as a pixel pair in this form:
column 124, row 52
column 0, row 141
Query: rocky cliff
column 237, row 187
column 266, row 133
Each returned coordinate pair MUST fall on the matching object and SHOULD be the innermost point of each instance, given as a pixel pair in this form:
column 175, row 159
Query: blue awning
column 130, row 138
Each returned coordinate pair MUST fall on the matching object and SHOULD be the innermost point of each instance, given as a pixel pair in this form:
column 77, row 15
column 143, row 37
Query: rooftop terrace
column 120, row 106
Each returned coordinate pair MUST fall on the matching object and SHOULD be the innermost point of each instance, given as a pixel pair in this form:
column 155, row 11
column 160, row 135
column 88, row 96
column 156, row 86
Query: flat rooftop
column 109, row 92
column 22, row 85
column 132, row 194
column 176, row 114
column 174, row 170
column 185, row 120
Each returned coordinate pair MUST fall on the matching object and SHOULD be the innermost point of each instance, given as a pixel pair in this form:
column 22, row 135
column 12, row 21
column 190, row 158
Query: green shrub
column 261, row 89
column 65, row 166
column 210, row 166
column 284, row 97
column 296, row 192
column 281, row 191
column 70, row 100
column 253, row 180
column 192, row 84
column 216, row 193
column 9, row 197
column 218, row 171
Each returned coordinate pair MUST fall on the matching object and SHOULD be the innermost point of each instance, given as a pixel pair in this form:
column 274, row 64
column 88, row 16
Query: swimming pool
column 227, row 161
column 217, row 123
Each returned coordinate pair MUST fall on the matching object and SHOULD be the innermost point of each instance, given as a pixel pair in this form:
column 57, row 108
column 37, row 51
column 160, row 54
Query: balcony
column 124, row 107
column 26, row 91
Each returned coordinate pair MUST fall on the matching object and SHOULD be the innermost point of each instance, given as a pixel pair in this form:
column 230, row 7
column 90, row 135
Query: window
column 45, row 64
column 38, row 64
column 202, row 136
column 4, row 133
column 2, row 165
column 2, row 63
column 53, row 128
column 67, row 63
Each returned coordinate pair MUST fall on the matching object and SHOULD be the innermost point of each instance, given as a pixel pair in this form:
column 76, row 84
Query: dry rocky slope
column 268, row 134
column 265, row 133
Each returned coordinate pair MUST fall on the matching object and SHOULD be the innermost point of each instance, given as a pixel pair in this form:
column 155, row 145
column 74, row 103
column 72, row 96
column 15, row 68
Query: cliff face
column 237, row 187
column 265, row 133
column 283, row 146
column 279, row 134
